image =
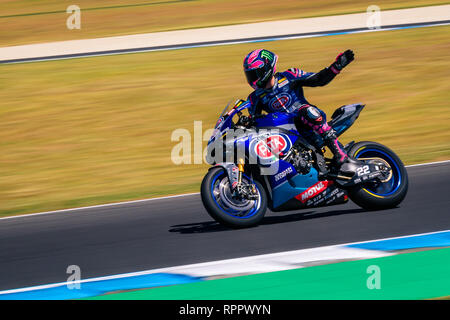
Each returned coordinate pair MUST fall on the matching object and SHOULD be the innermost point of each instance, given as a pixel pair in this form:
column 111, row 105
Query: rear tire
column 217, row 180
column 385, row 195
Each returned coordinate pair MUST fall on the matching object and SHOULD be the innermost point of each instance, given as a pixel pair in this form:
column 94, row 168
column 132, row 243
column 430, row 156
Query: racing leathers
column 287, row 96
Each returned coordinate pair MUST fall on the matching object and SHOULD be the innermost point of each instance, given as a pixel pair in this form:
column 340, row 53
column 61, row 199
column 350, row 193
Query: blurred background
column 94, row 130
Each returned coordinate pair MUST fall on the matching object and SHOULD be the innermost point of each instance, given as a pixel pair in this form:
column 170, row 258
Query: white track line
column 268, row 29
column 100, row 206
column 426, row 164
column 211, row 44
column 159, row 198
column 252, row 264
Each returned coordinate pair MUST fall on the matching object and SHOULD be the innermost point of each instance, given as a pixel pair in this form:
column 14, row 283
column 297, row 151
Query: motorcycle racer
column 283, row 92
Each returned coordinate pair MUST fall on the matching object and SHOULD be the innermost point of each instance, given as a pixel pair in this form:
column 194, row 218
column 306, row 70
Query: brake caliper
column 245, row 191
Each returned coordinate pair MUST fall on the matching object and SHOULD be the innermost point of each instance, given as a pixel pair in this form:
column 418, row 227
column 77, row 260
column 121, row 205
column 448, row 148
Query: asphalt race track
column 109, row 240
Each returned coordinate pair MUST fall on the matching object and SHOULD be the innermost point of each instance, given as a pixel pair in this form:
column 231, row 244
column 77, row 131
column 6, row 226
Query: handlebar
column 248, row 121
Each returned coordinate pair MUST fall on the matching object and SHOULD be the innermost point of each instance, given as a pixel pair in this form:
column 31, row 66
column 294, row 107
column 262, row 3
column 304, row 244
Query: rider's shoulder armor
column 293, row 73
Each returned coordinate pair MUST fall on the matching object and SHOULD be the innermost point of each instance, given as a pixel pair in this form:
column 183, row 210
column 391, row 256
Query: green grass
column 31, row 21
column 95, row 130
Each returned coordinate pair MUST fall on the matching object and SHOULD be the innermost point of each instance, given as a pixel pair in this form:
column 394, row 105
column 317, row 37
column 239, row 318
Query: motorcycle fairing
column 330, row 195
column 290, row 185
column 343, row 117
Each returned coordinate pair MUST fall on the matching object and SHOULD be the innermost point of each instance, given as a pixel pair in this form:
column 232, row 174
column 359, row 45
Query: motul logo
column 313, row 191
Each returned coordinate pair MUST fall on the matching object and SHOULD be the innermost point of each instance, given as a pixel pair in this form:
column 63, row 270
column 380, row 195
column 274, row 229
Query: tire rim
column 221, row 193
column 387, row 186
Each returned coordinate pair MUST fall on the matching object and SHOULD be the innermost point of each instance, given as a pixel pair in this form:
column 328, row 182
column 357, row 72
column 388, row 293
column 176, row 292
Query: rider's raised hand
column 342, row 60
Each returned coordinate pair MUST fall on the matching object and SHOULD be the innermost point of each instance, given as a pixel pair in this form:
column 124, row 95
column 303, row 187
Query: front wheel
column 226, row 209
column 381, row 194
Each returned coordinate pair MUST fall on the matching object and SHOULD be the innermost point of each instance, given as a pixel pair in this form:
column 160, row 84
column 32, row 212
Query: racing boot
column 343, row 164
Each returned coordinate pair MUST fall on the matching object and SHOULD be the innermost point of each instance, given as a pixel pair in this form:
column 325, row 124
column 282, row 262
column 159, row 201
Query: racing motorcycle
column 264, row 162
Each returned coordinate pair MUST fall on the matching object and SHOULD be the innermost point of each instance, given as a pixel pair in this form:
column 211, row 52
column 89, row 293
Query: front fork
column 239, row 189
column 241, row 170
column 245, row 191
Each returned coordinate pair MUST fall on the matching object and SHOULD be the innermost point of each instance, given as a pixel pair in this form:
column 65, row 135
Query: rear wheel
column 381, row 194
column 226, row 209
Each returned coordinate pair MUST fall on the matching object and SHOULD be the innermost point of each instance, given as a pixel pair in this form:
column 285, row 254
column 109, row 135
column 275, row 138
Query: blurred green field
column 31, row 21
column 95, row 130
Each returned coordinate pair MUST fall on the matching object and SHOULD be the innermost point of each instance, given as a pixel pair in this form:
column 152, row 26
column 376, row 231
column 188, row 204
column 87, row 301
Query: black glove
column 342, row 60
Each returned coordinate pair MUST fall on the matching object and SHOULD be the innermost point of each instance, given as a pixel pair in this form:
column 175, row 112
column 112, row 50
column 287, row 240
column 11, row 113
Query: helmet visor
column 253, row 76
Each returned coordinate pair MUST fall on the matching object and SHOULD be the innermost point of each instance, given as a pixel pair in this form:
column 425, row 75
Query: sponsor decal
column 273, row 144
column 313, row 191
column 282, row 82
column 283, row 173
column 230, row 112
column 280, row 85
column 219, row 122
column 267, row 54
column 280, row 102
column 332, row 196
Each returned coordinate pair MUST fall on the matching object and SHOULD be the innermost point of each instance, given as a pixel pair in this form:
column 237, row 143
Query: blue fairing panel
column 285, row 171
column 275, row 119
column 292, row 187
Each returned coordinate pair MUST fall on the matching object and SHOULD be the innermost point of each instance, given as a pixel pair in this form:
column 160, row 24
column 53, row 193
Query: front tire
column 382, row 195
column 216, row 197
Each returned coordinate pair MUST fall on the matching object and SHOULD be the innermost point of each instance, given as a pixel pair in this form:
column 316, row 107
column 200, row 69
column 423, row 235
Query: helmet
column 259, row 66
